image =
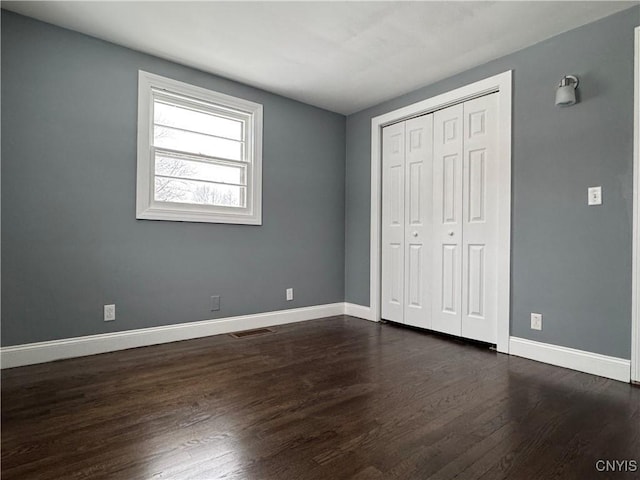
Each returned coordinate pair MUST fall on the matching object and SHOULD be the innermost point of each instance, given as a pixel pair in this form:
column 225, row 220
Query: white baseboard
column 359, row 311
column 41, row 352
column 593, row 363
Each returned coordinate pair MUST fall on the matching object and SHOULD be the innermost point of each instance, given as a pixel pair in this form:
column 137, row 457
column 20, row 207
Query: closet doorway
column 439, row 220
column 441, row 206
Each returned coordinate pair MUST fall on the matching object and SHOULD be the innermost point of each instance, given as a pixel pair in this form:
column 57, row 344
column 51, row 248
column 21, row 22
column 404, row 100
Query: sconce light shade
column 566, row 93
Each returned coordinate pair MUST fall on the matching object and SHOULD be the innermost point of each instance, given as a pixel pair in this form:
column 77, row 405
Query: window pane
column 196, row 143
column 189, row 169
column 198, row 193
column 187, row 119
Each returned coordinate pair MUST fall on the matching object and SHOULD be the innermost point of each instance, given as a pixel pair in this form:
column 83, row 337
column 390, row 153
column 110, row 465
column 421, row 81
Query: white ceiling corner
column 341, row 56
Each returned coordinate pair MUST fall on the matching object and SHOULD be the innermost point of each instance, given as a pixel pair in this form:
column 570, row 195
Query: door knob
column 450, row 233
column 415, row 234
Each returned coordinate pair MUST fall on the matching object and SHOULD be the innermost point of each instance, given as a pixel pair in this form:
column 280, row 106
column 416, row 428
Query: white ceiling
column 342, row 56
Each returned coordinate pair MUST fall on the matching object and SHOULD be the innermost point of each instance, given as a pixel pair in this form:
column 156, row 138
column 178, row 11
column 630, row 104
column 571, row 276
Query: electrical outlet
column 109, row 313
column 215, row 303
column 289, row 294
column 536, row 321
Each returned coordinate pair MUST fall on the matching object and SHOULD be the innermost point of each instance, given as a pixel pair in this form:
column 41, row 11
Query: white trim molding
column 588, row 362
column 502, row 84
column 358, row 311
column 41, row 352
column 635, row 280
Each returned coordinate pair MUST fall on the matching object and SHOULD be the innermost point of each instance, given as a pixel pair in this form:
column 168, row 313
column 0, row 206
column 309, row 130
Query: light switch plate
column 595, row 196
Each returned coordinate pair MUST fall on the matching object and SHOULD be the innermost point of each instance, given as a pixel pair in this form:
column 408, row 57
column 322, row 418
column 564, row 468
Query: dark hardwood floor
column 330, row 399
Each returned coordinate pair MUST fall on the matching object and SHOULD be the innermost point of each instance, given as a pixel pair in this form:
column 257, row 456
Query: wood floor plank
column 337, row 398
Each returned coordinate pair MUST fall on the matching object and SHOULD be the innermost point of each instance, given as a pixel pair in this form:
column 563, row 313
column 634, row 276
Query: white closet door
column 393, row 223
column 418, row 211
column 447, row 220
column 480, row 223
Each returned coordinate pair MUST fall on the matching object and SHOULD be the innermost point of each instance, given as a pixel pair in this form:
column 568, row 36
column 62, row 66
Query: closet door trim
column 501, row 84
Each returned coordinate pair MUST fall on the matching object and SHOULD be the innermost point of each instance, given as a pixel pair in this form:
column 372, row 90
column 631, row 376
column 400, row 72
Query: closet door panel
column 479, row 292
column 447, row 220
column 393, row 222
column 418, row 243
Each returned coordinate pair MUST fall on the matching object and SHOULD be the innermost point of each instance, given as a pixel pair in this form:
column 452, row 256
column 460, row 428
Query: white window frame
column 147, row 207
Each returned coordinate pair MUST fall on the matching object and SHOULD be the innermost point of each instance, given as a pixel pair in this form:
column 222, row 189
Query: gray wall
column 70, row 240
column 570, row 262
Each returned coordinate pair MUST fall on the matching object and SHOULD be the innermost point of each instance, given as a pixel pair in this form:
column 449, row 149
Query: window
column 199, row 154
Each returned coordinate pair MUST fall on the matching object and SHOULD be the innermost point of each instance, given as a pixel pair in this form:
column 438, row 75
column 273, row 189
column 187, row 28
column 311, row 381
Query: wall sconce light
column 566, row 93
